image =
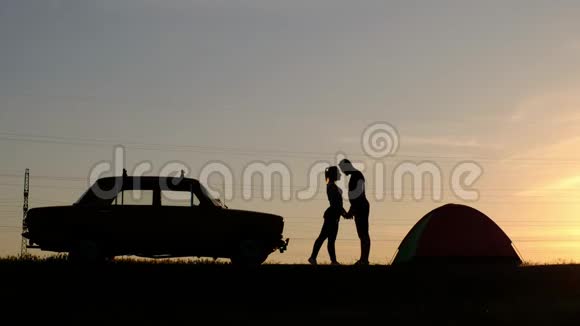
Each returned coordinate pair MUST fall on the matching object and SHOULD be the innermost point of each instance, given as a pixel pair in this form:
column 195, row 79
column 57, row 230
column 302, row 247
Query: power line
column 46, row 187
column 291, row 187
column 6, row 136
column 562, row 192
column 62, row 178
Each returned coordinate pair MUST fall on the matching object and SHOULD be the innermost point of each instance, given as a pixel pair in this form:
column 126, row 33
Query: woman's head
column 332, row 174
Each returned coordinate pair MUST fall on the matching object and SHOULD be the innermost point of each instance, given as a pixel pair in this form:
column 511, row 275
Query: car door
column 182, row 223
column 132, row 224
column 215, row 230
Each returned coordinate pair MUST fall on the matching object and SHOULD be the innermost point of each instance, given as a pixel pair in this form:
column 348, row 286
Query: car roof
column 150, row 182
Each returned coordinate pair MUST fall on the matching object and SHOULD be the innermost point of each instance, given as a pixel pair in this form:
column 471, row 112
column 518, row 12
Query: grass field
column 53, row 292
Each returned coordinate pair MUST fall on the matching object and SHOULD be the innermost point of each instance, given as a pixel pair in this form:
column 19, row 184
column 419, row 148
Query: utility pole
column 24, row 244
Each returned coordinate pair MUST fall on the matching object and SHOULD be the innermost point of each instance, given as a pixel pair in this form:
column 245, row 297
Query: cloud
column 554, row 160
column 554, row 107
column 447, row 142
column 564, row 150
column 349, row 140
column 569, row 186
column 572, row 45
column 545, row 127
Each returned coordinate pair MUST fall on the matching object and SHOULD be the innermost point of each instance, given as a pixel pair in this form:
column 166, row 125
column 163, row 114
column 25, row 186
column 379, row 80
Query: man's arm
column 335, row 198
column 348, row 215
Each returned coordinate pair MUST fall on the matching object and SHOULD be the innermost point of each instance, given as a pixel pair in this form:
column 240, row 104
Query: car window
column 134, row 197
column 178, row 198
column 206, row 194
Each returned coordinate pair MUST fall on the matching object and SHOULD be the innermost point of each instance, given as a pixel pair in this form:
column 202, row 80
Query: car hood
column 39, row 212
column 238, row 212
column 47, row 210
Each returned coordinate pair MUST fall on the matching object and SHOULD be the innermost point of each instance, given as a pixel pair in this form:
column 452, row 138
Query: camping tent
column 456, row 233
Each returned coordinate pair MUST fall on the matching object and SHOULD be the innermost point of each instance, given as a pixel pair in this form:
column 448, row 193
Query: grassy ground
column 54, row 292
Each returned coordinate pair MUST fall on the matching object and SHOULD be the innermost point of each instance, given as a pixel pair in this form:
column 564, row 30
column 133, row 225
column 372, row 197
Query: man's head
column 346, row 167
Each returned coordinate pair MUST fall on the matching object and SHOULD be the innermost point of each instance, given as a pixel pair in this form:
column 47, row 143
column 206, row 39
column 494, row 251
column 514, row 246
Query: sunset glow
column 297, row 83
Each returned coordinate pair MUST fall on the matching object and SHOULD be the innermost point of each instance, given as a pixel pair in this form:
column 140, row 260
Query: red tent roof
column 455, row 232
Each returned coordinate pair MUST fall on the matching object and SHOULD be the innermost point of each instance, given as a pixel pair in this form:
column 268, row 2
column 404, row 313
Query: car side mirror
column 221, row 203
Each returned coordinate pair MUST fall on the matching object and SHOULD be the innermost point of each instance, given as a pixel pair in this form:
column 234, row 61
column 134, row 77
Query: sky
column 494, row 82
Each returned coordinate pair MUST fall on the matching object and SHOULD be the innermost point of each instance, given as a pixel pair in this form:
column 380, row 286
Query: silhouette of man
column 359, row 208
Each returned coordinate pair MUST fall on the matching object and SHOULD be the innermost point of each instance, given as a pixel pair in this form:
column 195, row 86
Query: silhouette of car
column 154, row 217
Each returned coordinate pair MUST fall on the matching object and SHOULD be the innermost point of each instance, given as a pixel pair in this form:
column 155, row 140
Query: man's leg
column 362, row 228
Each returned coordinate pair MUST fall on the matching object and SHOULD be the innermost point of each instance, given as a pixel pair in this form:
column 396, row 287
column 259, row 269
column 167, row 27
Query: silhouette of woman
column 331, row 217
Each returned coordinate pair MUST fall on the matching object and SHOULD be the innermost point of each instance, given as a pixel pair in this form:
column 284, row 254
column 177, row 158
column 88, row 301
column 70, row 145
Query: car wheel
column 86, row 251
column 249, row 253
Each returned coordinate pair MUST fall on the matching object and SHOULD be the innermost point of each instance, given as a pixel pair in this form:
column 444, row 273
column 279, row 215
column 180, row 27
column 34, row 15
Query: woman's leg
column 320, row 240
column 332, row 234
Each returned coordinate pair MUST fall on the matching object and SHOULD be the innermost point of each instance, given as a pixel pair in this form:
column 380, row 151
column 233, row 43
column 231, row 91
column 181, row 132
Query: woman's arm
column 335, row 199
